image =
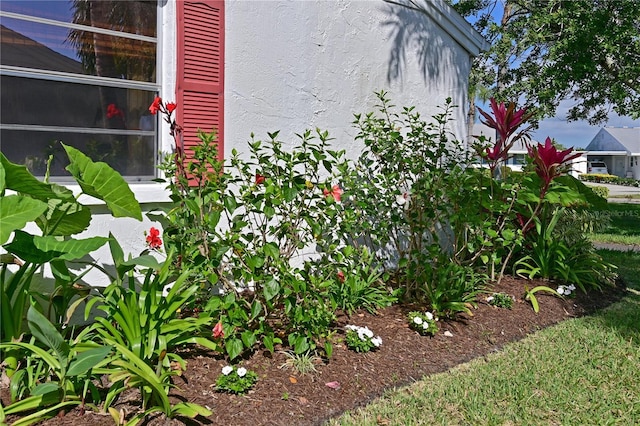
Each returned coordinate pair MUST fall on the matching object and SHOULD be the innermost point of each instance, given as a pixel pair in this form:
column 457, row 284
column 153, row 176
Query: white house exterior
column 246, row 66
column 619, row 149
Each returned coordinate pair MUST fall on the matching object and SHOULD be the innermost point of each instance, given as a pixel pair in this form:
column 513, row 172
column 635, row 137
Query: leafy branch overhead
column 544, row 52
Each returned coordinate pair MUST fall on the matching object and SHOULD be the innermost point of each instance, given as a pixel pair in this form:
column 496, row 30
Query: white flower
column 227, row 370
column 429, row 315
column 367, row 332
column 560, row 290
column 490, row 298
column 417, row 320
column 242, row 371
column 425, row 325
column 572, row 287
column 352, row 327
column 377, row 341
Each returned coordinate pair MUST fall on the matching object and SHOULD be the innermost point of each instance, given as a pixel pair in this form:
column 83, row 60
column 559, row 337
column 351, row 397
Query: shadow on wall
column 412, row 31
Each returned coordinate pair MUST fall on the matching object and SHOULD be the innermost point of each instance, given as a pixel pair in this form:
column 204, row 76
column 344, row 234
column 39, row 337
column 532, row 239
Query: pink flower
column 336, row 192
column 218, row 333
column 259, row 179
column 340, row 276
column 156, row 105
column 153, row 239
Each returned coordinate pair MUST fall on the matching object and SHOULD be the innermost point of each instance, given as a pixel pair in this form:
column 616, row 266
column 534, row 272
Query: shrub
column 601, row 191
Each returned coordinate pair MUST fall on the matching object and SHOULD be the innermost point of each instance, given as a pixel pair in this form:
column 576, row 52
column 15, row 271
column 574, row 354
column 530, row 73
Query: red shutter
column 200, row 70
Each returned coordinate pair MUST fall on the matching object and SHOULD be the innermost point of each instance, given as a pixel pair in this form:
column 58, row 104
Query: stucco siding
column 294, row 65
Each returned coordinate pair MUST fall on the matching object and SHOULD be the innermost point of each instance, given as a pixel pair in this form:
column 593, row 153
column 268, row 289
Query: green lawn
column 624, row 227
column 582, row 371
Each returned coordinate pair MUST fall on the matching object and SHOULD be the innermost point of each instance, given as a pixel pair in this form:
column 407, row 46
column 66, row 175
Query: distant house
column 619, row 149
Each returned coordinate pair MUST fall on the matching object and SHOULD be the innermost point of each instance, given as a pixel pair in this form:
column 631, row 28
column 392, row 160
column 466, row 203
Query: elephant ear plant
column 59, row 216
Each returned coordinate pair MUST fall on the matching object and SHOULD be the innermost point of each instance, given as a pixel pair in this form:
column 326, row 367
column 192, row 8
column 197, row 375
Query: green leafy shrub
column 500, row 300
column 236, row 380
column 612, row 179
column 601, row 191
column 420, row 213
column 361, row 339
column 424, row 323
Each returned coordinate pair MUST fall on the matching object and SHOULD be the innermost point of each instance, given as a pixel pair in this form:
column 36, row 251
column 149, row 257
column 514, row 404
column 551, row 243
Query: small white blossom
column 352, row 327
column 242, row 371
column 377, row 341
column 417, row 320
column 227, row 370
column 490, row 298
column 572, row 287
column 560, row 290
column 367, row 332
column 425, row 325
column 429, row 315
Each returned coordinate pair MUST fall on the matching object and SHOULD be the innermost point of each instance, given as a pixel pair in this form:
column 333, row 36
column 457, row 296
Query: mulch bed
column 284, row 397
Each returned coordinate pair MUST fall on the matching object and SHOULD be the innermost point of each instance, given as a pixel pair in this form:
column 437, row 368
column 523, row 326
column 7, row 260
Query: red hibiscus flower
column 336, row 192
column 218, row 333
column 259, row 179
column 114, row 111
column 171, row 107
column 340, row 276
column 153, row 239
column 156, row 105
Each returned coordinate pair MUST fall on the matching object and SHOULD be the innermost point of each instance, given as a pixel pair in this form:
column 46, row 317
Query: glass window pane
column 130, row 155
column 28, row 101
column 53, row 48
column 129, row 16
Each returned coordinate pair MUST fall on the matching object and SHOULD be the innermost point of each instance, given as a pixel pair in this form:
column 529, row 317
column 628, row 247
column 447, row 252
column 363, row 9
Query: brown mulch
column 284, row 397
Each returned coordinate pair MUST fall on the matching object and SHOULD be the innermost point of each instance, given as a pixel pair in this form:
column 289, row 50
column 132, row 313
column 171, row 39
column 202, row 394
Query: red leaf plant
column 549, row 162
column 505, row 120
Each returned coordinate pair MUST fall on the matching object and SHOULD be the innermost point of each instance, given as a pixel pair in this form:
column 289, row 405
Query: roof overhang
column 621, row 153
column 450, row 22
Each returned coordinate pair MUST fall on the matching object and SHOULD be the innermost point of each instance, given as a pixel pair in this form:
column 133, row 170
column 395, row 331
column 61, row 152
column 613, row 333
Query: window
column 83, row 72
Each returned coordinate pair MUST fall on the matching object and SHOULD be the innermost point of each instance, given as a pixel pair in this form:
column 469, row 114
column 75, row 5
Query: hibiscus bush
column 261, row 236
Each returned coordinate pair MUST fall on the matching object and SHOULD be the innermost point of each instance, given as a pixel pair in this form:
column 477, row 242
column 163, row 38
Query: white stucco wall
column 296, row 65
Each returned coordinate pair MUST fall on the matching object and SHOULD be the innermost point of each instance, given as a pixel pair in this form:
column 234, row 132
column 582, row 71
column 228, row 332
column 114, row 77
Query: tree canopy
column 546, row 51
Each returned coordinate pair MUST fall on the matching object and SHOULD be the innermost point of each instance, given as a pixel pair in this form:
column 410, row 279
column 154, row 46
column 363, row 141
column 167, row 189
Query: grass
column 624, row 227
column 582, row 371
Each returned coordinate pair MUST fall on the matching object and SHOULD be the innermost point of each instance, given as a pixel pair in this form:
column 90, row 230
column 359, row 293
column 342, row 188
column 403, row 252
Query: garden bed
column 284, row 397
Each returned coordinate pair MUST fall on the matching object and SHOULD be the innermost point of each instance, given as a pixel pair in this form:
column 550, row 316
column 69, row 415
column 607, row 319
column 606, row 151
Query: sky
column 576, row 134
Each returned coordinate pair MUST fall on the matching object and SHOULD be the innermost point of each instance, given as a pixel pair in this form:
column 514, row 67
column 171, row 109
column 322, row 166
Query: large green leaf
column 24, row 247
column 101, row 181
column 85, row 361
column 69, row 249
column 19, row 179
column 16, row 211
column 3, row 185
column 45, row 332
column 65, row 215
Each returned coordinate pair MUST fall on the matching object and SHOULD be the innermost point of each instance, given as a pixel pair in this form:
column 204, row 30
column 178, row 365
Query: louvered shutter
column 200, row 70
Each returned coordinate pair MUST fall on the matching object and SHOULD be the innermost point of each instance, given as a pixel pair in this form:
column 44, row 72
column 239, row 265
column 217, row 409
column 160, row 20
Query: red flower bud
column 218, row 333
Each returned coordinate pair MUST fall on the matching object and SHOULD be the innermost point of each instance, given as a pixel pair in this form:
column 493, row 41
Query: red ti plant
column 505, row 120
column 549, row 162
